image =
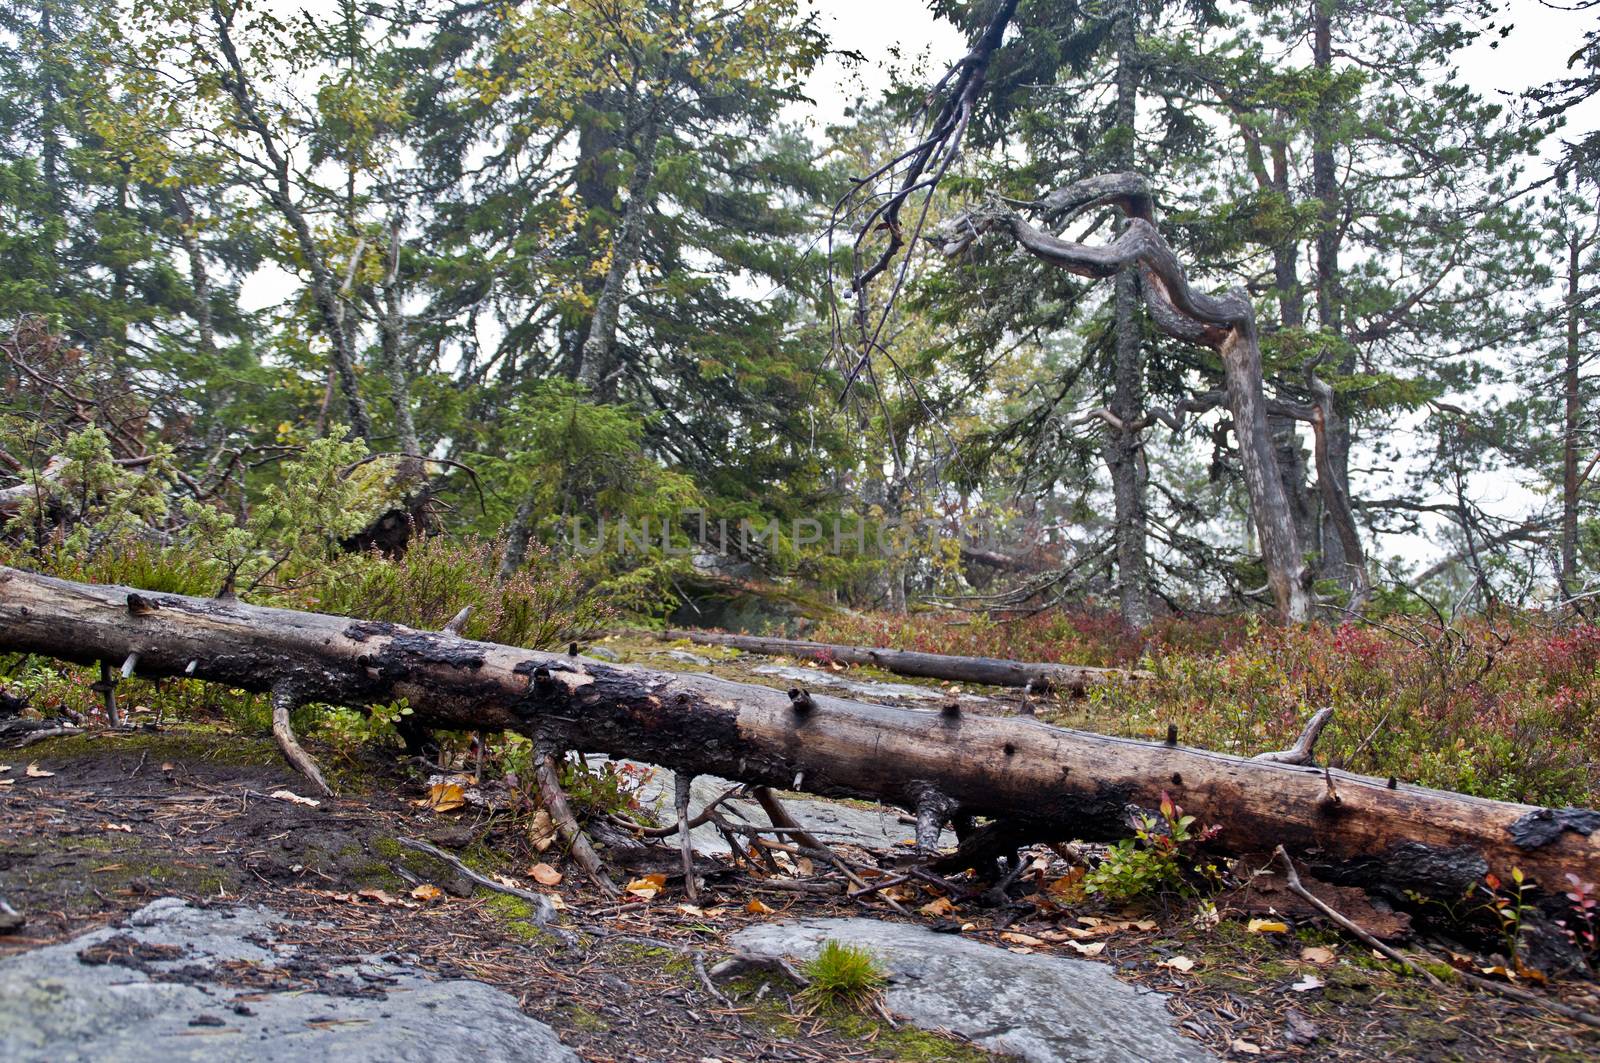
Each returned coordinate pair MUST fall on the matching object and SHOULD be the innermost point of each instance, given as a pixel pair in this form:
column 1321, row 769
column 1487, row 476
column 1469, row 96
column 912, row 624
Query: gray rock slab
column 56, row 1007
column 1044, row 1009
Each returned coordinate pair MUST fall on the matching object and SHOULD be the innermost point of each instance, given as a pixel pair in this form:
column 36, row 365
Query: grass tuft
column 843, row 978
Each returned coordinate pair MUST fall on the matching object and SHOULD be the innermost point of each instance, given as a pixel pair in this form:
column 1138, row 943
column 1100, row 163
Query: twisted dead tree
column 1226, row 324
column 1031, row 781
column 872, row 209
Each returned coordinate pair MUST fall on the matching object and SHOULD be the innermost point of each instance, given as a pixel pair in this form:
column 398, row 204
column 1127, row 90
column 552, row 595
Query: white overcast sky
column 1533, row 53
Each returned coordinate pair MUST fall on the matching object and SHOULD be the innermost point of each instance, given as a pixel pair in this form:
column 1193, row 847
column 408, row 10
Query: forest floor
column 96, row 826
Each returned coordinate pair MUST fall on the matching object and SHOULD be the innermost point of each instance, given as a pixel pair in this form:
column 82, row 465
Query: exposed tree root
column 547, row 773
column 543, row 910
column 283, row 703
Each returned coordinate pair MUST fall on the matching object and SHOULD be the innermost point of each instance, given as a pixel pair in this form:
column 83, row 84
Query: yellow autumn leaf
column 445, row 797
column 1267, row 926
column 647, row 886
column 755, row 907
column 939, row 906
column 427, row 892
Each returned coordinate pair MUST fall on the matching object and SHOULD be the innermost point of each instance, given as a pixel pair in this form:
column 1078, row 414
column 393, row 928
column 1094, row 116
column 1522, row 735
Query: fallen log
column 1039, row 782
column 993, row 671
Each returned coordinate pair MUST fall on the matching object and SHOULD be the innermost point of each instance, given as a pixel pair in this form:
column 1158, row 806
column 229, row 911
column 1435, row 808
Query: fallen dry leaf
column 755, row 907
column 690, row 909
column 36, row 772
column 938, row 907
column 1316, row 954
column 5, row 767
column 544, row 875
column 1014, row 938
column 542, row 831
column 427, row 892
column 384, row 897
column 291, row 796
column 647, row 886
column 1094, row 948
column 8, row 782
column 1097, row 929
column 1178, row 963
column 445, row 797
column 1069, row 887
column 1241, row 1045
column 1307, row 984
column 1267, row 926
column 123, row 827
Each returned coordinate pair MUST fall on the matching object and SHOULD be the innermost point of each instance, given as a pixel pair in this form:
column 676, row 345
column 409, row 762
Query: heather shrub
column 544, row 604
column 1478, row 710
column 1502, row 710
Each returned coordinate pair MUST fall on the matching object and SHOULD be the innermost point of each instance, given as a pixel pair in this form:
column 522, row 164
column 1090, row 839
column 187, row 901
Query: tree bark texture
column 1039, row 782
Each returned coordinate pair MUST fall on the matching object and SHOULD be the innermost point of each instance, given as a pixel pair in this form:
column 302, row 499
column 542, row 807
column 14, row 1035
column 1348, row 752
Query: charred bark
column 1043, row 783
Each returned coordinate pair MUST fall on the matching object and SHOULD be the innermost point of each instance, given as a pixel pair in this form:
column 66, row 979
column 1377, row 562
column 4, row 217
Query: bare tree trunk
column 199, row 276
column 1036, row 782
column 392, row 340
column 1269, row 505
column 598, row 357
column 1341, row 557
column 1123, row 445
column 1571, row 421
